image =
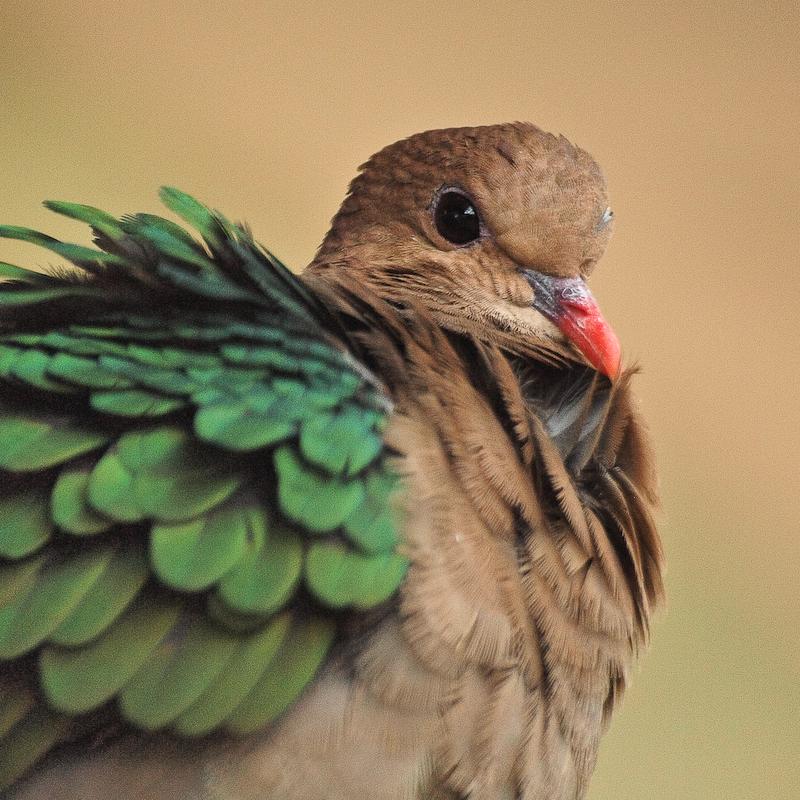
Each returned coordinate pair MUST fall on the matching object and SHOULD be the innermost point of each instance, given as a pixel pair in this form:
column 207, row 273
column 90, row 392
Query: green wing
column 193, row 484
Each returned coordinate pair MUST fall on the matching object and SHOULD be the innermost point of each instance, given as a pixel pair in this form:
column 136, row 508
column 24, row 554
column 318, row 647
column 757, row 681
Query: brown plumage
column 535, row 561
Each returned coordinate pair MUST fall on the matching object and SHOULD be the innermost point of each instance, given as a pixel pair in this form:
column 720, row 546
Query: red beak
column 571, row 307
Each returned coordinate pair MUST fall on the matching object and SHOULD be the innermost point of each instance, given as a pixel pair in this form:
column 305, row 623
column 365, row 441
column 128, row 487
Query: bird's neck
column 571, row 439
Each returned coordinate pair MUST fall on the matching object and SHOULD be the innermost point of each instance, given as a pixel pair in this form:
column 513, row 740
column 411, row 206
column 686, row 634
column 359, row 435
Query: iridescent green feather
column 193, row 483
column 267, row 575
column 195, row 554
column 177, row 673
column 60, row 586
column 80, row 679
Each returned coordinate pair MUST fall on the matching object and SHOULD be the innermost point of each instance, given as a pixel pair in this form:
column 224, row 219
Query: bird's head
column 494, row 230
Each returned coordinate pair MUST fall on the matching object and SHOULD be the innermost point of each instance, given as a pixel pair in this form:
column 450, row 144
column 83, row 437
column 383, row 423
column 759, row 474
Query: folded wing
column 193, row 484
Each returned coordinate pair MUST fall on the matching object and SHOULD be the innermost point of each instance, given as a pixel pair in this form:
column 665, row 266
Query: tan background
column 265, row 109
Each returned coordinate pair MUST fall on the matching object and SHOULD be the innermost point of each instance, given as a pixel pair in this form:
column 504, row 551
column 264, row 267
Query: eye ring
column 456, row 217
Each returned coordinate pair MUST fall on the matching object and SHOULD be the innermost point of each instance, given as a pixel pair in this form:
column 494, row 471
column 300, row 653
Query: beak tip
column 612, row 364
column 594, row 338
column 602, row 350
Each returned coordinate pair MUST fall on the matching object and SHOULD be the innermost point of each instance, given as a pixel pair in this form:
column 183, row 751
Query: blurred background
column 264, row 110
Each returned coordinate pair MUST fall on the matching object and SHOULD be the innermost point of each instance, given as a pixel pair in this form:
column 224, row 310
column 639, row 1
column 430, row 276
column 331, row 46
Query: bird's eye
column 456, row 218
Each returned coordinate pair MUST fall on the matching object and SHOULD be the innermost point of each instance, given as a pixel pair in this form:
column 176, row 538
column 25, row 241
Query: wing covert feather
column 193, row 483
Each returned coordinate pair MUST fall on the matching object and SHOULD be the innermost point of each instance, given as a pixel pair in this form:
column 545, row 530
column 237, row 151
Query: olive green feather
column 177, row 673
column 229, row 690
column 285, row 676
column 69, row 504
column 122, row 578
column 25, row 522
column 29, row 443
column 59, row 587
column 77, row 680
column 28, row 741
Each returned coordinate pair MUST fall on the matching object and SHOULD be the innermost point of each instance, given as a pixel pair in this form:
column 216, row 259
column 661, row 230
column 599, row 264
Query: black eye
column 456, row 218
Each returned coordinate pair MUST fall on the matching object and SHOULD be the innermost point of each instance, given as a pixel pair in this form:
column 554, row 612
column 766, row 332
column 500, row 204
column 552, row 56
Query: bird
column 386, row 528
